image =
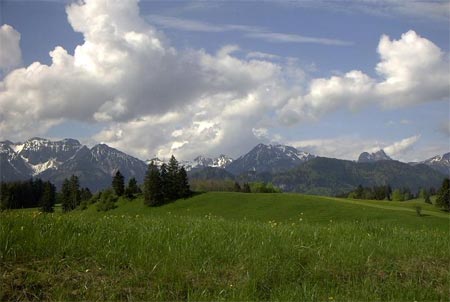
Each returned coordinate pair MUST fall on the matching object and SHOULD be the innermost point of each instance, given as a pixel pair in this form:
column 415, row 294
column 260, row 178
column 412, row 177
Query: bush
column 107, row 201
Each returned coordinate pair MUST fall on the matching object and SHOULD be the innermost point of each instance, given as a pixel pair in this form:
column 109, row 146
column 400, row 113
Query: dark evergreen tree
column 246, row 188
column 132, row 186
column 153, row 195
column 185, row 190
column 118, row 183
column 48, row 198
column 388, row 192
column 164, row 176
column 359, row 193
column 173, row 184
column 65, row 196
column 443, row 195
column 427, row 197
column 85, row 194
column 237, row 187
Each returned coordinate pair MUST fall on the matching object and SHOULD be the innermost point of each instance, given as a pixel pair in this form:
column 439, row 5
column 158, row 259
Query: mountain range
column 285, row 166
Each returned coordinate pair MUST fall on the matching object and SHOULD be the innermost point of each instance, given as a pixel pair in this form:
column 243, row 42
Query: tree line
column 404, row 194
column 166, row 183
column 28, row 194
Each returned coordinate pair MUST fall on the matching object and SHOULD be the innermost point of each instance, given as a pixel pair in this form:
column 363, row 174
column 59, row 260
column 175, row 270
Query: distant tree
column 132, row 186
column 65, row 195
column 246, row 188
column 164, row 179
column 48, row 198
column 237, row 187
column 173, row 184
column 397, row 195
column 85, row 194
column 183, row 183
column 359, row 192
column 70, row 193
column 443, row 195
column 427, row 198
column 388, row 192
column 407, row 195
column 107, row 201
column 118, row 183
column 153, row 194
column 75, row 196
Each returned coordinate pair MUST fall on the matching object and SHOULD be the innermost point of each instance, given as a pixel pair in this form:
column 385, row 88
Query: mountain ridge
column 57, row 160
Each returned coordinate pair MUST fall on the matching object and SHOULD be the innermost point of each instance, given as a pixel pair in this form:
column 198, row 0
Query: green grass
column 228, row 246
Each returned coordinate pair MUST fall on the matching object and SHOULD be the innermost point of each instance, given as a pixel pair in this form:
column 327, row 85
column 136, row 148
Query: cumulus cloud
column 125, row 69
column 155, row 100
column 11, row 55
column 350, row 147
column 399, row 148
column 412, row 70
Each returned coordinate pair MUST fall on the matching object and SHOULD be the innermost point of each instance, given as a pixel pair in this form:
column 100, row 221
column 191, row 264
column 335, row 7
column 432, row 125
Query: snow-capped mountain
column 222, row 161
column 440, row 163
column 40, row 154
column 57, row 160
column 269, row 158
column 367, row 157
column 12, row 166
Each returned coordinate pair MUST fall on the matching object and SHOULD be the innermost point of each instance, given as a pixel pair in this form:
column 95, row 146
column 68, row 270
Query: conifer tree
column 173, row 184
column 65, row 195
column 118, row 183
column 48, row 198
column 152, row 186
column 443, row 196
column 237, row 187
column 164, row 176
column 185, row 190
column 132, row 186
column 75, row 196
column 246, row 188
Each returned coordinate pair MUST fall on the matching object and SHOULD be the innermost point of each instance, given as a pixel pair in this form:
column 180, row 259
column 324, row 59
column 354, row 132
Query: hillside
column 329, row 176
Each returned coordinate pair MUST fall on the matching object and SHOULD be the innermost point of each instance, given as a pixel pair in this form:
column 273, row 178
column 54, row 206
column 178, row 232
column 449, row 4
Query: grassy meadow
column 229, row 246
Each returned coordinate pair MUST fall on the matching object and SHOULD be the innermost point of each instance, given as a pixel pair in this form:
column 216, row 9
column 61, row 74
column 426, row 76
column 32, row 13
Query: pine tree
column 48, row 198
column 164, row 176
column 118, row 183
column 185, row 190
column 74, row 185
column 246, row 188
column 132, row 186
column 443, row 196
column 237, row 187
column 65, row 195
column 153, row 195
column 173, row 185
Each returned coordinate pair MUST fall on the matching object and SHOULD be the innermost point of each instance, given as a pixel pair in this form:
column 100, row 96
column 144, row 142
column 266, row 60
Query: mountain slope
column 269, row 158
column 439, row 163
column 95, row 167
column 333, row 176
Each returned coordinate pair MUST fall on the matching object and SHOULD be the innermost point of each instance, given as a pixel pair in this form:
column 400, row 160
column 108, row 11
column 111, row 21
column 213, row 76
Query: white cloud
column 156, row 100
column 412, row 70
column 350, row 147
column 10, row 54
column 398, row 149
column 255, row 32
column 438, row 10
column 294, row 38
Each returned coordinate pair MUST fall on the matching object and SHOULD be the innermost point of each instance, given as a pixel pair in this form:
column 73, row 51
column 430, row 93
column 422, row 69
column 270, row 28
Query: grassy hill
column 228, row 246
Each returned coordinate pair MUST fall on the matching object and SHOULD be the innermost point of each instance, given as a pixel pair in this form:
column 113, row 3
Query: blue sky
column 292, row 45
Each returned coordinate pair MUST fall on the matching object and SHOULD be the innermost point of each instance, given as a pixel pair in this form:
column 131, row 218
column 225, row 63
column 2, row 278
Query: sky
column 189, row 78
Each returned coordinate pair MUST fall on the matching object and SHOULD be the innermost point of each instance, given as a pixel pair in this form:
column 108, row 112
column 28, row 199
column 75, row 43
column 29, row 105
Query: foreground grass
column 177, row 252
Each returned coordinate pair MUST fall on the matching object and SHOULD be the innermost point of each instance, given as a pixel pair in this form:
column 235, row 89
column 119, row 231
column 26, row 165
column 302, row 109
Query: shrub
column 107, row 201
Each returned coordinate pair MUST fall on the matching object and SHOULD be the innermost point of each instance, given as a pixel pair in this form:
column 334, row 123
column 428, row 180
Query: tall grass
column 169, row 256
